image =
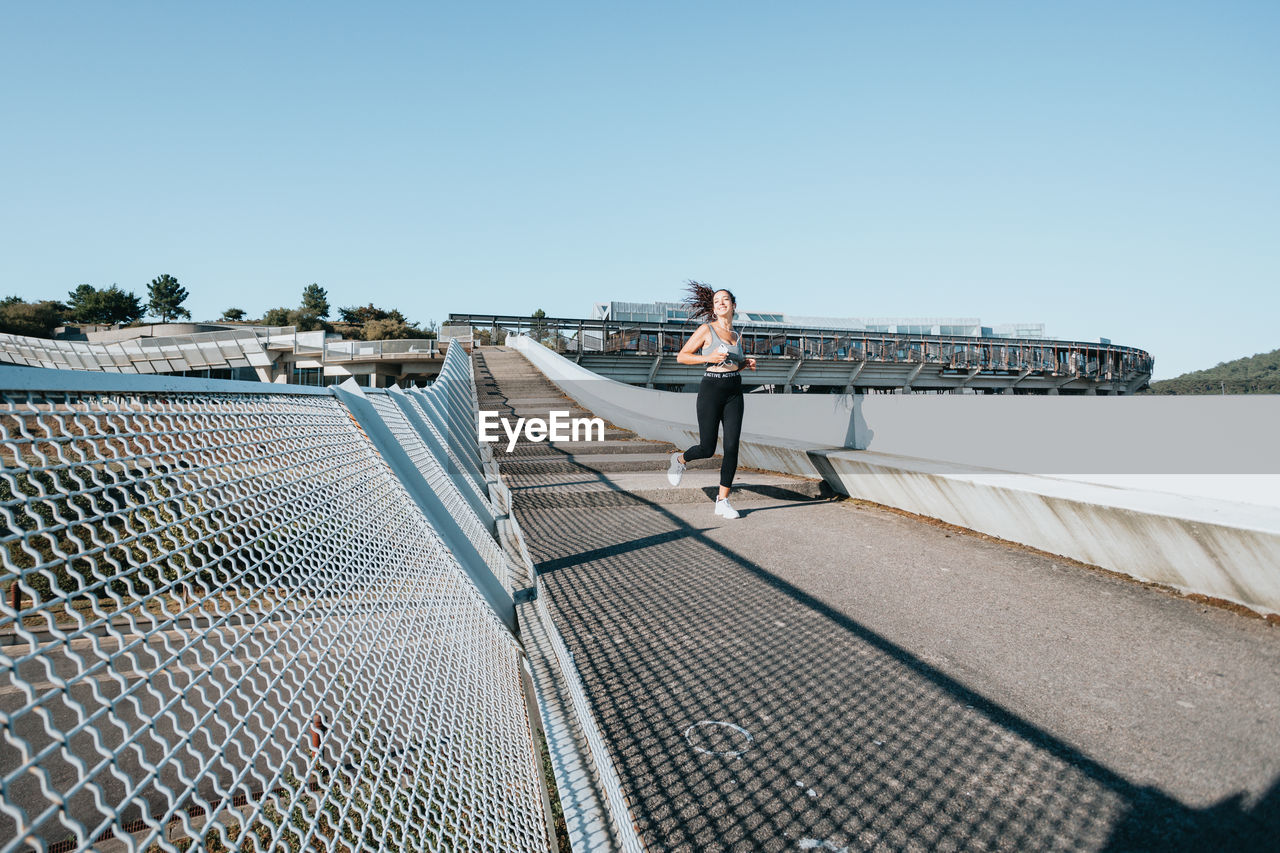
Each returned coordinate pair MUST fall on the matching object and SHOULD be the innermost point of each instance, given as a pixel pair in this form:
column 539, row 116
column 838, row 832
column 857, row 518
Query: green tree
column 32, row 319
column 276, row 317
column 1255, row 374
column 364, row 313
column 390, row 329
column 166, row 297
column 82, row 304
column 88, row 304
column 233, row 315
column 119, row 306
column 315, row 300
column 300, row 318
column 538, row 329
column 307, row 321
column 371, row 323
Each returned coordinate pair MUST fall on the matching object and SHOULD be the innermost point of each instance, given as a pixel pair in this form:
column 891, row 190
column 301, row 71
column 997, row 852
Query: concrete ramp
column 825, row 675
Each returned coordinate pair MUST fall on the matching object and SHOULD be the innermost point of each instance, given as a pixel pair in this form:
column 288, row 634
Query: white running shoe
column 723, row 508
column 676, row 471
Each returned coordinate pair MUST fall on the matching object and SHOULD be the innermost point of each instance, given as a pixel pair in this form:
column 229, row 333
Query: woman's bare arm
column 688, row 354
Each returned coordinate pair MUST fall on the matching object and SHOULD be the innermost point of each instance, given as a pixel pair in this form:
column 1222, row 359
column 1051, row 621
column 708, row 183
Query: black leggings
column 719, row 399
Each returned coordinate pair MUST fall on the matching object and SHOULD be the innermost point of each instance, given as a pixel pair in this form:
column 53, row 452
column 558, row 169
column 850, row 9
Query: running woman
column 720, row 394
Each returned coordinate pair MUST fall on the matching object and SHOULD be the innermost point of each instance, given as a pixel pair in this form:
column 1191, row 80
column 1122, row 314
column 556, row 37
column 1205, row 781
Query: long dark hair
column 701, row 301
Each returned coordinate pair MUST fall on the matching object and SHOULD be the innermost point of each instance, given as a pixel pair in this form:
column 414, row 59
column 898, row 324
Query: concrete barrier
column 1178, row 491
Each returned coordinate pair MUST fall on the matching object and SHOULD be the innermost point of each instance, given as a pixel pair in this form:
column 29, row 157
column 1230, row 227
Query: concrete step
column 609, row 435
column 535, row 411
column 547, row 401
column 599, row 462
column 545, row 396
column 528, row 377
column 627, row 488
column 504, row 385
column 561, row 450
column 502, row 360
column 616, row 472
column 484, row 384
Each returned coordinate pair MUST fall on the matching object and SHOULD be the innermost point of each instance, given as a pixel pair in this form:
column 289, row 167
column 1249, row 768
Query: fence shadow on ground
column 745, row 714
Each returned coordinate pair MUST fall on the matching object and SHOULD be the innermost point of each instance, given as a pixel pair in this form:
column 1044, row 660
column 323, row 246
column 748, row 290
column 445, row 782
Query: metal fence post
column 441, row 453
column 432, row 507
column 435, row 412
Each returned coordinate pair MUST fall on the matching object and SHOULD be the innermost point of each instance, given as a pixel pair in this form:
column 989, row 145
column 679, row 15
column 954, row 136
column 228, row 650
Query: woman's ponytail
column 701, row 301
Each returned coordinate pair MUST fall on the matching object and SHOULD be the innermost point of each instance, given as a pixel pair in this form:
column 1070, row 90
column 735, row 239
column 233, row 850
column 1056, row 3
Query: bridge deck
column 825, row 675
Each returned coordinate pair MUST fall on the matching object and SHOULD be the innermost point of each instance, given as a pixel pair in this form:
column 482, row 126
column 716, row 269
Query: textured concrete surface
column 825, row 675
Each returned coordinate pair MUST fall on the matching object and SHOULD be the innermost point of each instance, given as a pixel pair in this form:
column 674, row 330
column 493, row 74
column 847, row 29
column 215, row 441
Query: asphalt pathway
column 825, row 675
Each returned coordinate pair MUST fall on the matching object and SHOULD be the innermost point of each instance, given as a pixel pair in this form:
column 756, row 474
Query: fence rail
column 261, row 618
column 355, row 350
column 1053, row 357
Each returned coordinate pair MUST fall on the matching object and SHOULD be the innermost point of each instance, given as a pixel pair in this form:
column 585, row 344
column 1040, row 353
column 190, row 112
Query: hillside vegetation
column 1257, row 374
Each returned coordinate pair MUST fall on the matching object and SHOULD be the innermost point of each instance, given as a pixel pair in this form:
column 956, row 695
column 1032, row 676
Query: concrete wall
column 108, row 334
column 1209, row 435
column 1182, row 491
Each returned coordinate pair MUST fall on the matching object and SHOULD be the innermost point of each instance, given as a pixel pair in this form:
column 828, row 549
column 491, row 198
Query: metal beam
column 906, row 386
column 653, row 371
column 449, row 417
column 445, row 525
column 441, row 453
column 795, row 368
column 519, row 322
column 973, row 371
column 848, row 386
column 431, row 409
column 1008, row 389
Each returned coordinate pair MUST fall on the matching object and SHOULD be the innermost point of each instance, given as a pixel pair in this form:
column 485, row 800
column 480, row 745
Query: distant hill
column 1257, row 374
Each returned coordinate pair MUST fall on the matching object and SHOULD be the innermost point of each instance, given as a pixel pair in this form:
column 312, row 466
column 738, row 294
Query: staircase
column 622, row 470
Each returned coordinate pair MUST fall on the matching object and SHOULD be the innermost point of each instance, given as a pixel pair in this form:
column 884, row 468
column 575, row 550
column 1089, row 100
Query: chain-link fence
column 239, row 616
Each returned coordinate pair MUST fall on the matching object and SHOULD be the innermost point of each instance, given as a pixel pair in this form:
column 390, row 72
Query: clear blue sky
column 1108, row 168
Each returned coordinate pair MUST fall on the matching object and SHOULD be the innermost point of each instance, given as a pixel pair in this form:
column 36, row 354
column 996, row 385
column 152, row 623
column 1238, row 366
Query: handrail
column 1060, row 357
column 338, row 350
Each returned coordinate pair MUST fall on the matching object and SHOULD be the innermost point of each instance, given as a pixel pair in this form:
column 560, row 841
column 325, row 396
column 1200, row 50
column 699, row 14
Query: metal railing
column 1053, row 357
column 354, row 350
column 459, row 333
column 262, row 618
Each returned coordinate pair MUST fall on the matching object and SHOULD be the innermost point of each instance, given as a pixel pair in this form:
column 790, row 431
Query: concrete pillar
column 653, row 371
column 795, row 368
column 906, row 386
